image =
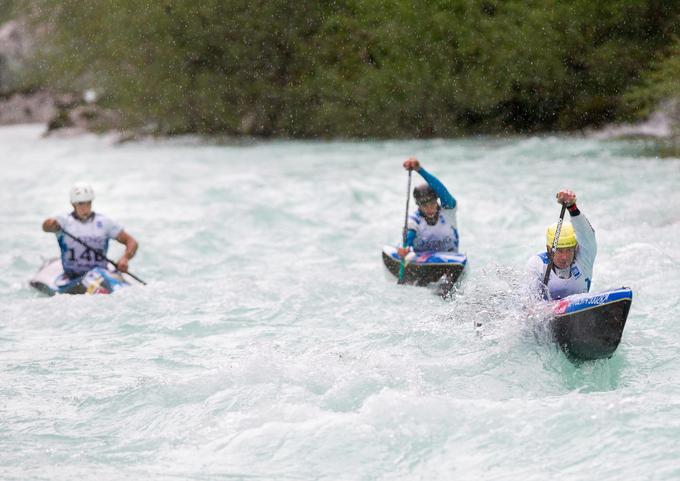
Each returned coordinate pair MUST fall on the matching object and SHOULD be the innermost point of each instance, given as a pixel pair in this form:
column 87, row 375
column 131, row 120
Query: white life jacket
column 95, row 232
column 563, row 283
column 441, row 237
column 575, row 279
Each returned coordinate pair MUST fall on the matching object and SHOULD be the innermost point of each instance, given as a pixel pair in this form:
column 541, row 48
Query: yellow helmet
column 567, row 236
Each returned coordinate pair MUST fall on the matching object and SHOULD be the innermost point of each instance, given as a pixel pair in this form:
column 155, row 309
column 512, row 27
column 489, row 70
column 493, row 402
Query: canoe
column 426, row 267
column 50, row 279
column 589, row 326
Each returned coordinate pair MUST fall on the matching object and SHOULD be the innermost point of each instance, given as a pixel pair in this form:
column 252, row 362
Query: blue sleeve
column 448, row 201
column 410, row 237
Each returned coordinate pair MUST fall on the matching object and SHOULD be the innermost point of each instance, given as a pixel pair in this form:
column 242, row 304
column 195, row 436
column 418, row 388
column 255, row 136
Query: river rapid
column 271, row 344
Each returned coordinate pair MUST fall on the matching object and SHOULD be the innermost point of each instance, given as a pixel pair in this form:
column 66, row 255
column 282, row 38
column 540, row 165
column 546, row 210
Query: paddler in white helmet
column 573, row 260
column 91, row 228
column 433, row 225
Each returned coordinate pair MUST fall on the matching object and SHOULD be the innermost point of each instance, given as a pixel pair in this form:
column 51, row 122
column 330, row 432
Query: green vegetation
column 359, row 68
column 7, row 8
column 660, row 83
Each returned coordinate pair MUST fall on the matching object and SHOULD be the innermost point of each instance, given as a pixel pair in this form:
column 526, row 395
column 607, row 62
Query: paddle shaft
column 102, row 254
column 554, row 247
column 402, row 265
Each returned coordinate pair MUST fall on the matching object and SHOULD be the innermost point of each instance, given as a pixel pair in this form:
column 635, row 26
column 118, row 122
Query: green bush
column 355, row 68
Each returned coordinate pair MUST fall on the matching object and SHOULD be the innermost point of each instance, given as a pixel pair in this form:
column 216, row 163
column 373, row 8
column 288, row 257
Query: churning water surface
column 271, row 344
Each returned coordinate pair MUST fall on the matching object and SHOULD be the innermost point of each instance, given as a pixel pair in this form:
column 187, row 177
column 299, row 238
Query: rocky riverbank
column 662, row 127
column 23, row 104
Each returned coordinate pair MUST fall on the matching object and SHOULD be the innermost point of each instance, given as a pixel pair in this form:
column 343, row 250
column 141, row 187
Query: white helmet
column 81, row 192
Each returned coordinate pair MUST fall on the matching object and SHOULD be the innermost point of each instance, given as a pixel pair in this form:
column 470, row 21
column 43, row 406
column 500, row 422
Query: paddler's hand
column 411, row 164
column 123, row 264
column 403, row 251
column 566, row 197
column 51, row 225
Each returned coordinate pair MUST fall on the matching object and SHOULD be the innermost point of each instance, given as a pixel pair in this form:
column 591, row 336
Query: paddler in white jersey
column 432, row 226
column 573, row 260
column 91, row 228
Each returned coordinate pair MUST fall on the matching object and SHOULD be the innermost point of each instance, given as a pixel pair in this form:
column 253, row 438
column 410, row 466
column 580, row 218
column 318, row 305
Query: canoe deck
column 589, row 327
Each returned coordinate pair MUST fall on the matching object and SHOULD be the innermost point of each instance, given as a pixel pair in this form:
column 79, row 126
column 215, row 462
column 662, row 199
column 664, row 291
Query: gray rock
column 15, row 48
column 663, row 123
column 22, row 108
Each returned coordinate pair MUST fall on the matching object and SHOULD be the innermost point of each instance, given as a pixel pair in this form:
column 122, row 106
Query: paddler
column 573, row 260
column 433, row 225
column 93, row 229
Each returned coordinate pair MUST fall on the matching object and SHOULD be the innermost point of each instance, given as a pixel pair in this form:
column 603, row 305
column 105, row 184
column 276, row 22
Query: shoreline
column 68, row 115
column 643, row 146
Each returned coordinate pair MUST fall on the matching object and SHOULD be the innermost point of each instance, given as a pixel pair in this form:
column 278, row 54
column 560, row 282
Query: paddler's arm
column 410, row 237
column 585, row 234
column 534, row 283
column 130, row 250
column 445, row 197
column 447, row 200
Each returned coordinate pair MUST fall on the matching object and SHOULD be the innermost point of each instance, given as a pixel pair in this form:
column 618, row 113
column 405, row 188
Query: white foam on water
column 270, row 344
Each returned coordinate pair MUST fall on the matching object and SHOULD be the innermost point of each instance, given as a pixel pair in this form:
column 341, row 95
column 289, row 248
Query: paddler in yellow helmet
column 573, row 259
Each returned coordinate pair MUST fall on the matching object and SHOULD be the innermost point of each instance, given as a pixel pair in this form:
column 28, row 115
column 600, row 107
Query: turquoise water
column 270, row 343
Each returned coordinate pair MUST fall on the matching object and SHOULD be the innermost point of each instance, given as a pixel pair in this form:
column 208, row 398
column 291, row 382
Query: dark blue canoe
column 426, row 267
column 589, row 326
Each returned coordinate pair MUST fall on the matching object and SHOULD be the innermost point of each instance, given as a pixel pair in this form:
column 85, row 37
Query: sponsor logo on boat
column 576, row 303
column 587, row 300
column 561, row 307
column 595, row 300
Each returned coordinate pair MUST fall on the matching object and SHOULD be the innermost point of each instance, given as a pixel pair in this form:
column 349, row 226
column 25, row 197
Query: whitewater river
column 271, row 344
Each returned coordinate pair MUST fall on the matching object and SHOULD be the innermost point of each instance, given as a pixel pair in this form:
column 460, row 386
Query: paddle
column 94, row 250
column 402, row 264
column 554, row 248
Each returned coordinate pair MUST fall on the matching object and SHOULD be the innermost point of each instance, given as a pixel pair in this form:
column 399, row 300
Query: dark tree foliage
column 661, row 83
column 7, row 10
column 357, row 68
